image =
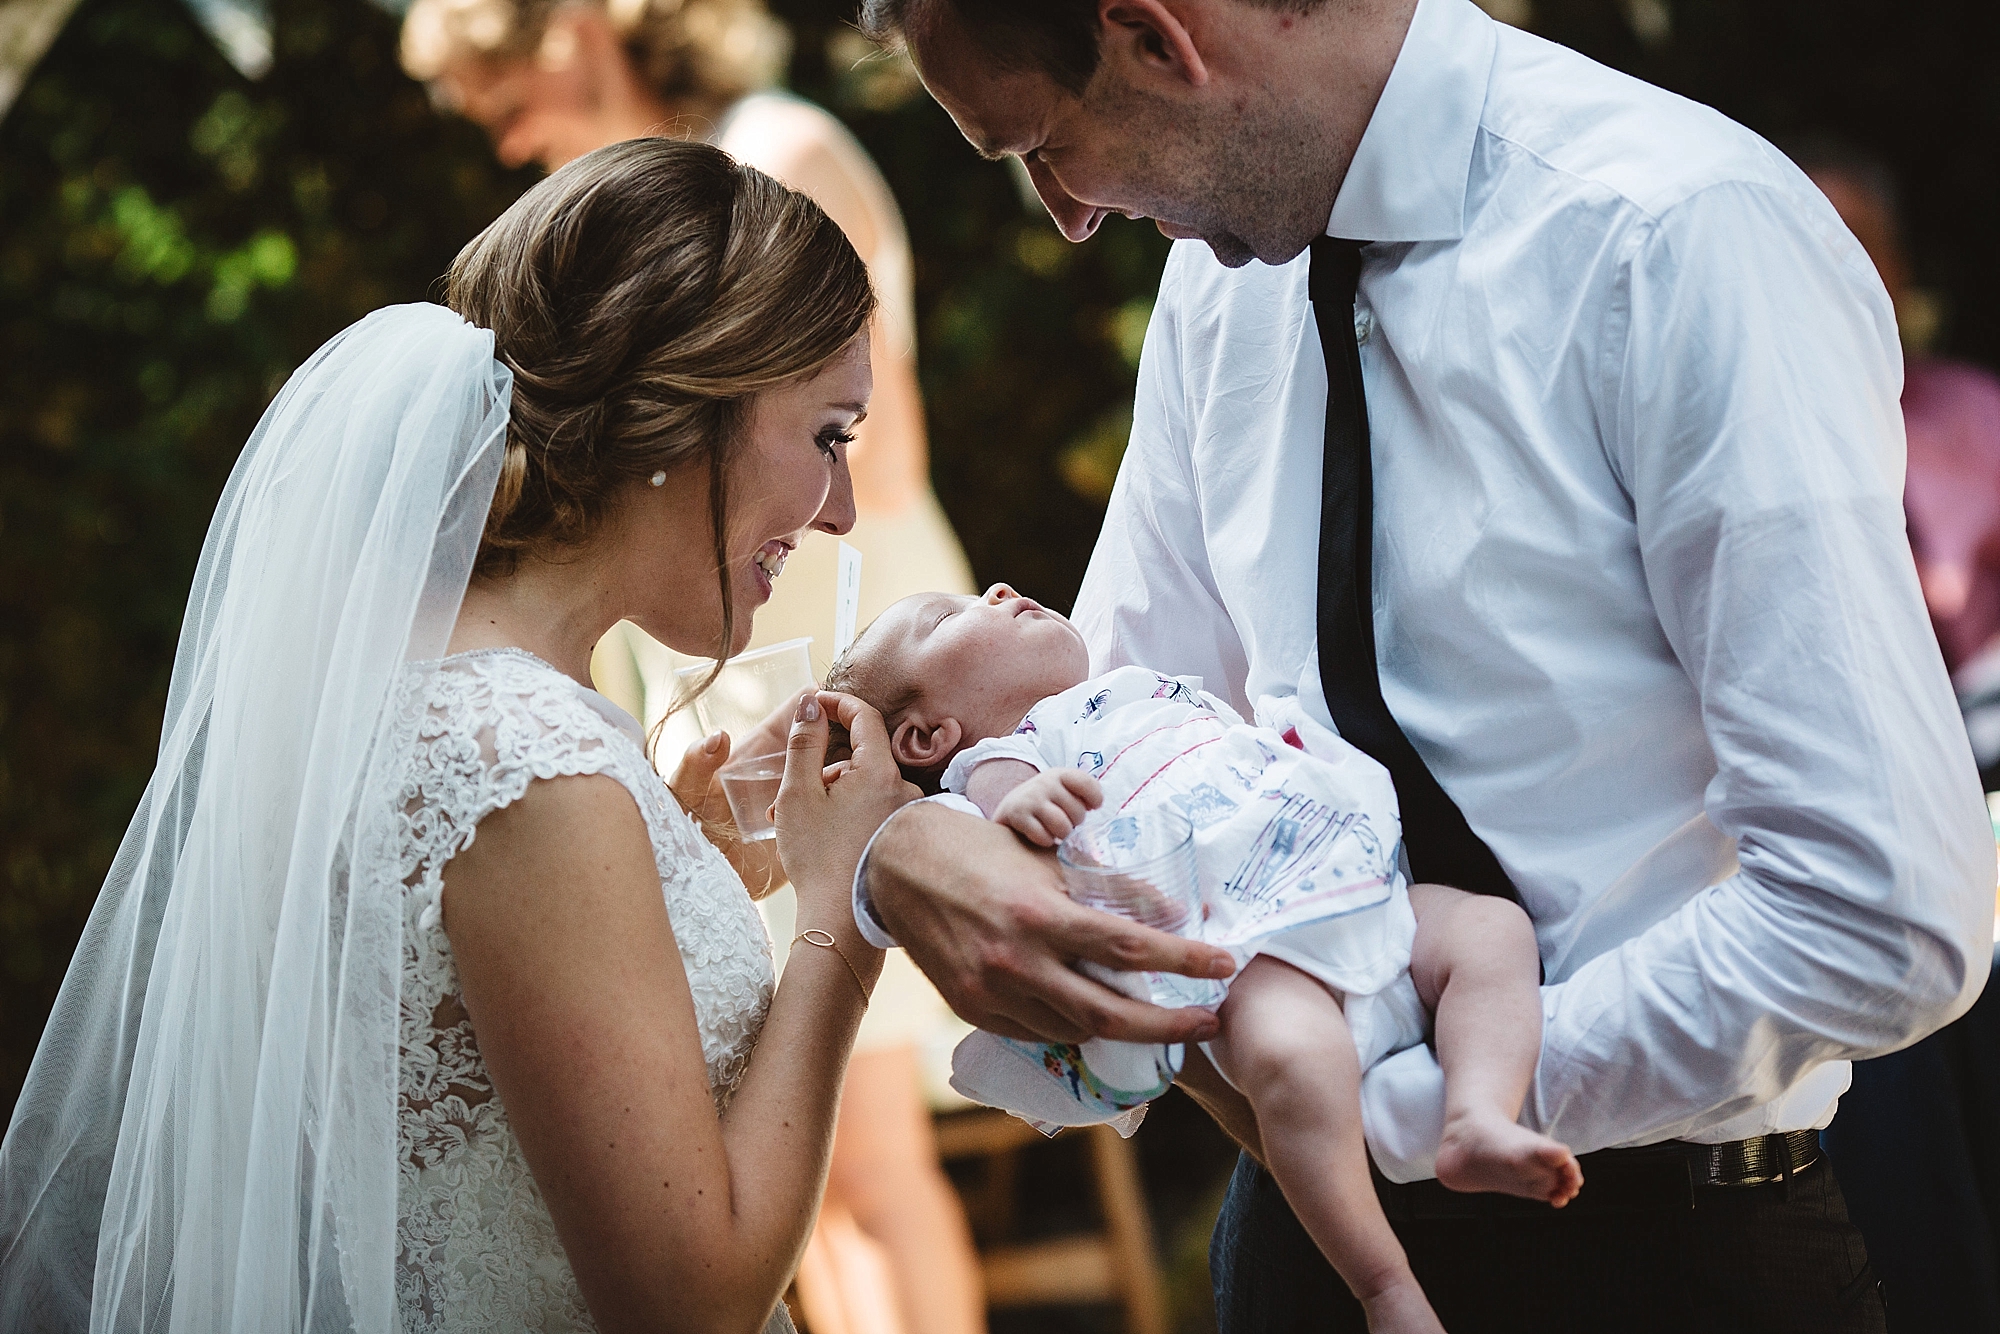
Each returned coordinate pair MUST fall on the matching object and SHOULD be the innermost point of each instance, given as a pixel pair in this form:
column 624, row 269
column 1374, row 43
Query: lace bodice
column 477, row 1249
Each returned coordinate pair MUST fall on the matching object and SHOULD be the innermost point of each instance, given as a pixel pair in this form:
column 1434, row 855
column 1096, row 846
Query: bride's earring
column 660, row 478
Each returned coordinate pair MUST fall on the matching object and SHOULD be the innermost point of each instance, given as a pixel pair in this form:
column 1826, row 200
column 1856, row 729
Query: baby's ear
column 919, row 743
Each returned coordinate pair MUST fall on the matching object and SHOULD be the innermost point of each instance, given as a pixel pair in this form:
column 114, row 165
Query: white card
column 846, row 599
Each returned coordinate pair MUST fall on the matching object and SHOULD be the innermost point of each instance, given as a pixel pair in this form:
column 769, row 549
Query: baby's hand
column 1046, row 807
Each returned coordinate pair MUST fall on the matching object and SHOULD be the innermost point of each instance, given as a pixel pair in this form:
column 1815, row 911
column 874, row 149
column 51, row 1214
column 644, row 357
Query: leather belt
column 1659, row 1178
column 1753, row 1162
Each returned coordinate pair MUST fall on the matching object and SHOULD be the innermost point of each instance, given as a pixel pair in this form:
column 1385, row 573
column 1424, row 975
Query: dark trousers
column 1917, row 1147
column 1755, row 1260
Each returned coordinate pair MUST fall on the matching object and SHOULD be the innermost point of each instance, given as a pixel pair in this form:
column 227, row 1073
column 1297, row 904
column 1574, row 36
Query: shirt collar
column 1408, row 178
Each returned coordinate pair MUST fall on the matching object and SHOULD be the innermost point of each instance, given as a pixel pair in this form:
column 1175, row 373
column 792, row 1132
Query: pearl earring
column 660, row 478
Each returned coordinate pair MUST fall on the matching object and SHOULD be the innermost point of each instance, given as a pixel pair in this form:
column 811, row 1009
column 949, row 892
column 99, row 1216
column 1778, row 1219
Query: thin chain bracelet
column 825, row 940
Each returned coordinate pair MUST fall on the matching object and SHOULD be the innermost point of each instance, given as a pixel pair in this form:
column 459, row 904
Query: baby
column 1295, row 844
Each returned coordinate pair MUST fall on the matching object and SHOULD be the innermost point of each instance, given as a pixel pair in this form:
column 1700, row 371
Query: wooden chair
column 1117, row 1265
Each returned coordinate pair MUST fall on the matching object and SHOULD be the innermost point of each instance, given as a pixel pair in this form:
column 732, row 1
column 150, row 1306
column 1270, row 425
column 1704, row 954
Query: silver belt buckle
column 1757, row 1162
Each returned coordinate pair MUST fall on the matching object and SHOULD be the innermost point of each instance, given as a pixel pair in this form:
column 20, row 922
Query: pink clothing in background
column 1952, row 498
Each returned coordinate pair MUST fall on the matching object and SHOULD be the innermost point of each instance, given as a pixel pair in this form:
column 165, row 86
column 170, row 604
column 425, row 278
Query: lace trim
column 477, row 1247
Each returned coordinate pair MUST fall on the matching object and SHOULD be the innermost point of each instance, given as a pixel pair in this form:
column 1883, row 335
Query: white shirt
column 1642, row 595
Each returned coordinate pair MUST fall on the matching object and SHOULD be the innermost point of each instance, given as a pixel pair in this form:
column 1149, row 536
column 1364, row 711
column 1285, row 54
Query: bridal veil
column 207, row 1137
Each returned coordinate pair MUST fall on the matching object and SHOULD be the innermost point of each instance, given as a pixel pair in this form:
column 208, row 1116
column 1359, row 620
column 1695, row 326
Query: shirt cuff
column 865, row 920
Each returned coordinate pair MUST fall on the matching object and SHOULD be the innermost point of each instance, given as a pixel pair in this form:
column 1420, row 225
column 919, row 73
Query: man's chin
column 1230, row 249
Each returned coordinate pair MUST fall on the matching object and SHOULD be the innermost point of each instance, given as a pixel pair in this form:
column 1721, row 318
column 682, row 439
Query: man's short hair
column 1053, row 37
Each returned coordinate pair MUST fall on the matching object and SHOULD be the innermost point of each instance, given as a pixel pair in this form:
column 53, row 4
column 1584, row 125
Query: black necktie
column 1441, row 846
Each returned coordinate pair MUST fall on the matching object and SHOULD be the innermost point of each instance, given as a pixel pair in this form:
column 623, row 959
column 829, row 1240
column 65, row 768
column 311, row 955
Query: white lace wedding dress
column 477, row 1249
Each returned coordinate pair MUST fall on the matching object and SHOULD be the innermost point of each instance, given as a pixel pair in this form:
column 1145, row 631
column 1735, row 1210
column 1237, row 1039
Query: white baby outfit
column 1297, row 845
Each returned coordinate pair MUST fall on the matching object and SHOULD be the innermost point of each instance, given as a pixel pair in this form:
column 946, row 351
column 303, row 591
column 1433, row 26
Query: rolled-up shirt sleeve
column 1149, row 598
column 1751, row 411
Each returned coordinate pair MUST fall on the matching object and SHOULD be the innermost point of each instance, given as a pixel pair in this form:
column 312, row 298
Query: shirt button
column 1364, row 324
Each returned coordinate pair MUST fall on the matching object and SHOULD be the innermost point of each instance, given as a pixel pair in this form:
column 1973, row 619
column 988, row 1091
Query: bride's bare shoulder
column 579, row 840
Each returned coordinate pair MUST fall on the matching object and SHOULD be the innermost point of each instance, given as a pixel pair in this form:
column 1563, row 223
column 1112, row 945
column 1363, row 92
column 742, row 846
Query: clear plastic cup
column 1141, row 865
column 751, row 785
column 751, row 687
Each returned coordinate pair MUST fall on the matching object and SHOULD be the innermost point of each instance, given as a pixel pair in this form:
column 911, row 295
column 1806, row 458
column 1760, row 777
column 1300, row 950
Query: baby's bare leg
column 1286, row 1047
column 1477, row 969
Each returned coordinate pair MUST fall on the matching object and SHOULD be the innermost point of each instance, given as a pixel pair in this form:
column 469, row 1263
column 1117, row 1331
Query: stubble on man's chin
column 1231, row 251
column 1236, row 183
column 1280, row 245
column 1243, row 196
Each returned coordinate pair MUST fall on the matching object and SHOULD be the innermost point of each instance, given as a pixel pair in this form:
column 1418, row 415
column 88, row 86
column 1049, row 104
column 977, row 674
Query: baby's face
column 982, row 660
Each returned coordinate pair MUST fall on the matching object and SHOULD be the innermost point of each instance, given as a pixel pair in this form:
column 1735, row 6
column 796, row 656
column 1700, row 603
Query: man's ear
column 1150, row 38
column 919, row 743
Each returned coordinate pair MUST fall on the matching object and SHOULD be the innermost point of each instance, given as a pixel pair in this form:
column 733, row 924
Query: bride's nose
column 836, row 515
column 998, row 594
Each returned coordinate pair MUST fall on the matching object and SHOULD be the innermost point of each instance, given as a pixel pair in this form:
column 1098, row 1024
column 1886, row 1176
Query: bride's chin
column 697, row 636
column 743, row 623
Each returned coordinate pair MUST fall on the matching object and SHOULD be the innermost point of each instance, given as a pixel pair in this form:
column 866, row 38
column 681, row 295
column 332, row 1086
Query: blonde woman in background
column 550, row 82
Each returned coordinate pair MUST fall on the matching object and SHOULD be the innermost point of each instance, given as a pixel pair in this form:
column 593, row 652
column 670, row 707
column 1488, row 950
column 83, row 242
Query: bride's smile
column 771, row 561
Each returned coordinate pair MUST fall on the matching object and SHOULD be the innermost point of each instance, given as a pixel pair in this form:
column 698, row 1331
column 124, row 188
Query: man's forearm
column 904, row 850
column 1726, row 1005
column 1713, row 1022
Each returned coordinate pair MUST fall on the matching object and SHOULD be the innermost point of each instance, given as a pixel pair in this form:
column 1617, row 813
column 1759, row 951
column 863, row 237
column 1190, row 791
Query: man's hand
column 1048, row 806
column 986, row 918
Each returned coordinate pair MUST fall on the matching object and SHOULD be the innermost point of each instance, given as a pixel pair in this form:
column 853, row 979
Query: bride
column 414, row 999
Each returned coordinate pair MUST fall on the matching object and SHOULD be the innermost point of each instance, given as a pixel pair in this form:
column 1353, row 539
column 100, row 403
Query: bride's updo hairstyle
column 642, row 296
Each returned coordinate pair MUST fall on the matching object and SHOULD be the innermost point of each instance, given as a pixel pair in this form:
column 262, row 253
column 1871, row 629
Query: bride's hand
column 700, row 793
column 826, row 813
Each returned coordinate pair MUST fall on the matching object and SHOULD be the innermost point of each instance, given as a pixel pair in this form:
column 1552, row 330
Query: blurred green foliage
column 173, row 240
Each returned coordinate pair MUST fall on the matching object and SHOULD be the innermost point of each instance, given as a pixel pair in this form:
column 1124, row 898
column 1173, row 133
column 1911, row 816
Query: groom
column 1540, row 430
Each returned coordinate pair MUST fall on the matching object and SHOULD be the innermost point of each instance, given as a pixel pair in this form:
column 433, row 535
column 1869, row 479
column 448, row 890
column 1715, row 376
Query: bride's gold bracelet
column 825, row 940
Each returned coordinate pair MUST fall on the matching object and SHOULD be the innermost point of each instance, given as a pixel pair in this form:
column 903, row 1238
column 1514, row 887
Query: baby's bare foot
column 1401, row 1308
column 1491, row 1153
